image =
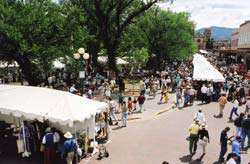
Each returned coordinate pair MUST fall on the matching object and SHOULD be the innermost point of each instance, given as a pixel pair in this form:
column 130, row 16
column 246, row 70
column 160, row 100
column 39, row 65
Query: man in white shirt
column 203, row 93
column 200, row 117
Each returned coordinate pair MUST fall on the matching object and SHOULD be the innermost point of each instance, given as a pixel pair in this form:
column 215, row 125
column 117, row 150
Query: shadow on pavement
column 118, row 127
column 186, row 159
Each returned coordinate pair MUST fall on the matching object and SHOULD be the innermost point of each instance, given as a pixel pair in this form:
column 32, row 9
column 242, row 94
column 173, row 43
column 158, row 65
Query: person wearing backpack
column 238, row 123
column 69, row 147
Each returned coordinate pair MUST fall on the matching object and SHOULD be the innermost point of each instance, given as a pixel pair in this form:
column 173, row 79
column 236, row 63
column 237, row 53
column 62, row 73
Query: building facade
column 235, row 39
column 244, row 36
column 244, row 42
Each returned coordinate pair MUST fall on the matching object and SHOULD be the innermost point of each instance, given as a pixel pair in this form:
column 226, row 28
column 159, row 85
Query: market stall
column 204, row 71
column 61, row 110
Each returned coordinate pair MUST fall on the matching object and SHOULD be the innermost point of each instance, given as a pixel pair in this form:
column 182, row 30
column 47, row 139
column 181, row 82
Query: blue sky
column 206, row 13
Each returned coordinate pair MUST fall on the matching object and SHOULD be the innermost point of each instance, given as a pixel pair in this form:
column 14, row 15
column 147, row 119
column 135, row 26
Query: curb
column 164, row 110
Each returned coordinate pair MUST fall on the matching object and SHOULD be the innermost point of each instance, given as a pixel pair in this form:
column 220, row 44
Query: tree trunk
column 94, row 48
column 112, row 59
column 24, row 64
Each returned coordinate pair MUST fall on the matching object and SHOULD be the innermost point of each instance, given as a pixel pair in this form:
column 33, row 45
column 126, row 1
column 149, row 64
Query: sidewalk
column 153, row 109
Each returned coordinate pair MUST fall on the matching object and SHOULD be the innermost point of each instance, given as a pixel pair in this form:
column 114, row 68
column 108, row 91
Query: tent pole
column 76, row 143
column 94, row 141
column 24, row 140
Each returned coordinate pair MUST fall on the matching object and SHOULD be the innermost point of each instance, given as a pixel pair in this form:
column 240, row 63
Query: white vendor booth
column 204, row 71
column 63, row 110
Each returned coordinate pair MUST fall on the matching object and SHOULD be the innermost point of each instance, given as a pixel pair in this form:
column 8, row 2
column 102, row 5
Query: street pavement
column 160, row 135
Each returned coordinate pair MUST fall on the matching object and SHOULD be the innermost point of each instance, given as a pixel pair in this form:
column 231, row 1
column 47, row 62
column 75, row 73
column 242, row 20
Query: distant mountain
column 219, row 33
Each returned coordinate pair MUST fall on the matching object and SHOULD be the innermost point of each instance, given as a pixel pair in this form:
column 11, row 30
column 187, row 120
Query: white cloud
column 206, row 13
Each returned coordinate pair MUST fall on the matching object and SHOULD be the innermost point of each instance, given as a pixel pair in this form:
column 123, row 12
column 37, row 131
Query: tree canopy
column 166, row 35
column 35, row 33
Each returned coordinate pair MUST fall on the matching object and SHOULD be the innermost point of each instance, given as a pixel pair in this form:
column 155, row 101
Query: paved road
column 162, row 138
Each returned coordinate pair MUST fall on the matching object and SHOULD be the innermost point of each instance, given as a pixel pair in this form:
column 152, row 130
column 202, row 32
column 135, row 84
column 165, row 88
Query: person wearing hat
column 236, row 148
column 193, row 138
column 69, row 147
column 222, row 103
column 49, row 144
column 203, row 139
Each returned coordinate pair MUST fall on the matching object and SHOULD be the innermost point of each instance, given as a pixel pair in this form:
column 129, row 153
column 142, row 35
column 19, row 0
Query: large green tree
column 35, row 33
column 110, row 19
column 165, row 34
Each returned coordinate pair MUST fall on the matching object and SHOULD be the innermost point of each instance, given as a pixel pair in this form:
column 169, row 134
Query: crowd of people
column 176, row 79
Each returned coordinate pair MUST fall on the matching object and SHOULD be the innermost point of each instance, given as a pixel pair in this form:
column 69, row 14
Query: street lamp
column 82, row 56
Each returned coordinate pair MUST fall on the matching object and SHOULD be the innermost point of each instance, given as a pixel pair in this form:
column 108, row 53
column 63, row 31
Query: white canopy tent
column 203, row 52
column 58, row 64
column 204, row 71
column 119, row 61
column 62, row 109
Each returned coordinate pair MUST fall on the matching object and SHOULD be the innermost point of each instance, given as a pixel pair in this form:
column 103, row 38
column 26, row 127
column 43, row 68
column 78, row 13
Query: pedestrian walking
column 112, row 110
column 222, row 103
column 134, row 104
column 124, row 114
column 200, row 117
column 223, row 142
column 141, row 100
column 236, row 148
column 245, row 131
column 193, row 138
column 178, row 96
column 203, row 139
column 234, row 109
column 191, row 93
column 130, row 105
column 247, row 105
column 209, row 95
column 120, row 99
column 69, row 147
column 49, row 146
column 203, row 93
column 238, row 124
